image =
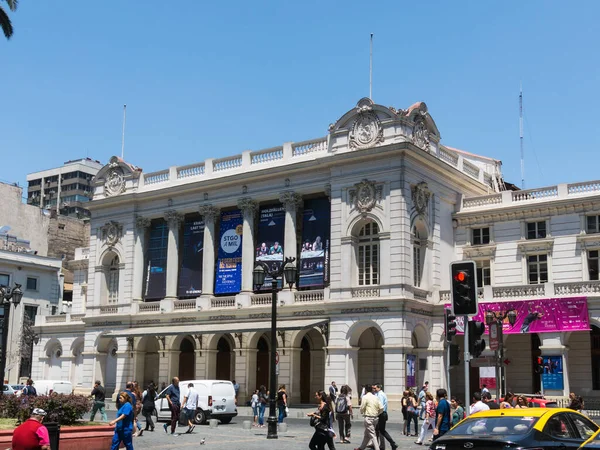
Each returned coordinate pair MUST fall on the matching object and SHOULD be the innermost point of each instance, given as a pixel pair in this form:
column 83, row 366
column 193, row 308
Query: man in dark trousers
column 383, row 418
column 173, row 397
column 99, row 402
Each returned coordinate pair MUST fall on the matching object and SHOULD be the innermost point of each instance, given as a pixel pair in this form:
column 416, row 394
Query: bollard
column 53, row 434
column 282, row 428
column 213, row 423
column 247, row 425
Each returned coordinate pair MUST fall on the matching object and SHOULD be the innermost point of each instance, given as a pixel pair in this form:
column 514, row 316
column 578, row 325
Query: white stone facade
column 380, row 167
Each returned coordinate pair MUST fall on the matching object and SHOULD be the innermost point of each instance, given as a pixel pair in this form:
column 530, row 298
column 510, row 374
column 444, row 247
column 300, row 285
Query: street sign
column 494, row 338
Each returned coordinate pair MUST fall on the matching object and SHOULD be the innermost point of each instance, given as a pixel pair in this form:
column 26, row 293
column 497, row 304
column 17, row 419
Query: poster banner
column 271, row 229
column 550, row 315
column 156, row 261
column 190, row 272
column 228, row 279
column 487, row 378
column 552, row 376
column 411, row 363
column 314, row 254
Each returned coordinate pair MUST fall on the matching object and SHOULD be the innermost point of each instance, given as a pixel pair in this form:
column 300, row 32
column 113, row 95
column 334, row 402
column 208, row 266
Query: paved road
column 233, row 437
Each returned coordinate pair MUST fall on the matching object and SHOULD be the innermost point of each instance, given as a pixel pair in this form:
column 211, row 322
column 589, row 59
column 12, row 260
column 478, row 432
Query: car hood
column 477, row 443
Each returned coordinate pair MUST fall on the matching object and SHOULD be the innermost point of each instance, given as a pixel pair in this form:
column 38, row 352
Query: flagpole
column 123, row 135
column 371, row 69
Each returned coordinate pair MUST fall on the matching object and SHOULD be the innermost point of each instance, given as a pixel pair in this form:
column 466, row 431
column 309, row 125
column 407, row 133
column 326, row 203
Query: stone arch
column 370, row 357
column 221, row 356
column 109, row 278
column 77, row 348
column 360, row 220
column 187, row 358
column 106, row 362
column 307, row 374
column 52, row 347
column 421, row 336
column 176, row 342
column 355, row 331
column 147, row 362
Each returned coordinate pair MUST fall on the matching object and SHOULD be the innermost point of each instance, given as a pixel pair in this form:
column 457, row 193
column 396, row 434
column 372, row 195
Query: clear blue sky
column 210, row 79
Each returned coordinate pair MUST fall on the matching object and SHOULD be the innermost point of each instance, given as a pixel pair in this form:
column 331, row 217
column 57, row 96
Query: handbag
column 411, row 409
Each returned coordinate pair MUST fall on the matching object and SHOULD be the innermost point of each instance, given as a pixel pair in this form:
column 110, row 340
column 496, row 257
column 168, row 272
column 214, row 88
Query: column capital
column 248, row 206
column 208, row 212
column 290, row 200
column 173, row 217
column 141, row 223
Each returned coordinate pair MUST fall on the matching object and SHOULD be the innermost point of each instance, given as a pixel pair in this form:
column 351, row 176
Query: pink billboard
column 550, row 315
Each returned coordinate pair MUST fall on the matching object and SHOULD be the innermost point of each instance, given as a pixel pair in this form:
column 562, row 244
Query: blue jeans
column 255, row 411
column 281, row 415
column 261, row 413
column 121, row 436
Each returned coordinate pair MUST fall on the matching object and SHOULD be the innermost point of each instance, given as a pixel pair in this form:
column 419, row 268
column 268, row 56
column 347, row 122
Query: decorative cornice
column 480, row 251
column 141, row 223
column 589, row 241
column 173, row 217
column 535, row 245
column 291, row 200
column 209, row 212
column 248, row 206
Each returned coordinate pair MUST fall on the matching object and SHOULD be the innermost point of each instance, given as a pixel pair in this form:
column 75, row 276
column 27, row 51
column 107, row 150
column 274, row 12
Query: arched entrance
column 262, row 362
column 308, row 365
column 370, row 357
column 187, row 360
column 151, row 360
column 77, row 370
column 305, row 396
column 224, row 359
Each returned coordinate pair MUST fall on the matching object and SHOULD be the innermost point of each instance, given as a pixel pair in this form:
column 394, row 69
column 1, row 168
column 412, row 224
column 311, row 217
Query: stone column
column 292, row 202
column 141, row 225
column 209, row 214
column 249, row 208
column 174, row 219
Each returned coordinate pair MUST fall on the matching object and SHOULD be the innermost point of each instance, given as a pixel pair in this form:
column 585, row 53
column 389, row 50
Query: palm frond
column 5, row 24
column 12, row 4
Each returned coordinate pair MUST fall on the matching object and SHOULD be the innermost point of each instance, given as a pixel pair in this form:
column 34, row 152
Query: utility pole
column 467, row 358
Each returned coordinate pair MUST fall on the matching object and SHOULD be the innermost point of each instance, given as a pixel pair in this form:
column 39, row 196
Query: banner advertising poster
column 156, row 260
column 190, row 272
column 228, row 279
column 271, row 229
column 411, row 362
column 314, row 252
column 552, row 376
column 487, row 378
column 550, row 315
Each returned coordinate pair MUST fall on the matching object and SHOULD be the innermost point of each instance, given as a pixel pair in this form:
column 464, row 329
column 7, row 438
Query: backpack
column 341, row 405
column 29, row 390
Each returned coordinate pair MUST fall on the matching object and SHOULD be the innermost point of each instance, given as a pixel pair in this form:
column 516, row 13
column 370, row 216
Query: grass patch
column 8, row 424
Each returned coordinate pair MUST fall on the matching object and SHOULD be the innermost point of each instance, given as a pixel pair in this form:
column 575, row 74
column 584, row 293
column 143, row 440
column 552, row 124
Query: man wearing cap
column 31, row 434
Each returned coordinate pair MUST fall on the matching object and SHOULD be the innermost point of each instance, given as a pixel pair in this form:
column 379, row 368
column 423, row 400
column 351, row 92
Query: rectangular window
column 156, row 260
column 484, row 273
column 481, row 236
column 417, row 265
column 32, row 284
column 4, row 279
column 368, row 264
column 592, row 260
column 593, row 224
column 536, row 230
column 537, row 268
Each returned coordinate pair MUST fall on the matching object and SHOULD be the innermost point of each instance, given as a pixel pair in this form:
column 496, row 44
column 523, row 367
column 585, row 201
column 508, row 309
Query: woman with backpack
column 343, row 410
column 148, row 398
column 320, row 421
column 429, row 417
column 282, row 403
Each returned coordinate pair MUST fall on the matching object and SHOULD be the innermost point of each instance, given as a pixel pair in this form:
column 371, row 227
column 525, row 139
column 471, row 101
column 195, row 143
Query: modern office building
column 374, row 212
column 66, row 189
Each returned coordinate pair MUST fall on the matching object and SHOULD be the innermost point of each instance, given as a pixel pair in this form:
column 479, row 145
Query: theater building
column 374, row 212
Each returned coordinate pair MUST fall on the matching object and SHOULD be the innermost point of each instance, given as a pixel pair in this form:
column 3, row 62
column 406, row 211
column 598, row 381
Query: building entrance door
column 262, row 363
column 187, row 360
column 305, row 394
column 223, row 360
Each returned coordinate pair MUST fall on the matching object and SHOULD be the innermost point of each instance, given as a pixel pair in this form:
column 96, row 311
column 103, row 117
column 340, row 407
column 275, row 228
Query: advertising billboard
column 190, row 271
column 228, row 278
column 271, row 234
column 314, row 251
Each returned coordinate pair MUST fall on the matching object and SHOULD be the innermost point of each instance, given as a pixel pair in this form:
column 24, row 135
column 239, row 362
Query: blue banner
column 314, row 252
column 271, row 233
column 156, row 261
column 552, row 376
column 229, row 260
column 190, row 272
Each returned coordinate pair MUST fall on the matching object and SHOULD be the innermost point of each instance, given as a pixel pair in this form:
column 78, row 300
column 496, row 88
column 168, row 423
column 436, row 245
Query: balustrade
column 309, row 296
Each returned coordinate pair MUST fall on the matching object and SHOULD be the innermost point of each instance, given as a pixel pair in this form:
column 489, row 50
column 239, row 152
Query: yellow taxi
column 593, row 442
column 527, row 428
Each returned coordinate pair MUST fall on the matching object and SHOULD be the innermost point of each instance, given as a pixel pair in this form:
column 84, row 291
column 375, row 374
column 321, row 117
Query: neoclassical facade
column 373, row 213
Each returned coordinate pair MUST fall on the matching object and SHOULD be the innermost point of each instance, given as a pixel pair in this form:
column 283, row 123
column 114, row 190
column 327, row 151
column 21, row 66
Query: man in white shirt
column 190, row 403
column 478, row 405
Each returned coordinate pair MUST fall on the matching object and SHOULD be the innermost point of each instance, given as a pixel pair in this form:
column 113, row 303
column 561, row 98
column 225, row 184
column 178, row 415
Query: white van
column 216, row 400
column 47, row 387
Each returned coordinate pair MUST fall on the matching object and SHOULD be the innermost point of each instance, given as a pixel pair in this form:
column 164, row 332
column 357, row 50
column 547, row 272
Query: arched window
column 368, row 255
column 112, row 280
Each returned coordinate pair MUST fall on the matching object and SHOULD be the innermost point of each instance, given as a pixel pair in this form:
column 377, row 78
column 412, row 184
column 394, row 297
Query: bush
column 64, row 409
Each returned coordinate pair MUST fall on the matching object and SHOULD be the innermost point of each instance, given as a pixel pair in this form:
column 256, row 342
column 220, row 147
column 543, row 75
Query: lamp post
column 8, row 296
column 496, row 319
column 261, row 270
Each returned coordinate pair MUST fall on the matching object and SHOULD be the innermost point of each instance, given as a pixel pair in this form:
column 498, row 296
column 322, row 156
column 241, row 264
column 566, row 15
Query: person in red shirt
column 31, row 434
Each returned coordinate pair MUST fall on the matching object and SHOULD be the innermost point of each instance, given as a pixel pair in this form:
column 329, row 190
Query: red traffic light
column 460, row 276
column 540, row 360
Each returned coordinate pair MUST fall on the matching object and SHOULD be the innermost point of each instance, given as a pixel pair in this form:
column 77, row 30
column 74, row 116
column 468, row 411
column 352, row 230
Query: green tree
column 5, row 23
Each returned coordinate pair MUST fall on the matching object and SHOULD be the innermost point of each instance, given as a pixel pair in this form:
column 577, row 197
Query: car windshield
column 494, row 426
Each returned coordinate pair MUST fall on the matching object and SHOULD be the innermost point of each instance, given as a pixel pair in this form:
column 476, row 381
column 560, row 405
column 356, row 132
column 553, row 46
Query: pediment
column 115, row 177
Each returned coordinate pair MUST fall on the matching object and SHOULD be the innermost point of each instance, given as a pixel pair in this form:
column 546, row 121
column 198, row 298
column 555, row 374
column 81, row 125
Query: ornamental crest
column 365, row 195
column 114, row 183
column 421, row 134
column 111, row 233
column 420, row 197
column 366, row 131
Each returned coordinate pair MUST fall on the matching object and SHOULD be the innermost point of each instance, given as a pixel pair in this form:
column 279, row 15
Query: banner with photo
column 314, row 252
column 156, row 260
column 271, row 234
column 552, row 376
column 411, row 370
column 549, row 315
column 228, row 278
column 190, row 271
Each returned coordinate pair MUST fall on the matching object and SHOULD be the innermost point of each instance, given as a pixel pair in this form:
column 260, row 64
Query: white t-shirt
column 254, row 400
column 192, row 399
column 479, row 406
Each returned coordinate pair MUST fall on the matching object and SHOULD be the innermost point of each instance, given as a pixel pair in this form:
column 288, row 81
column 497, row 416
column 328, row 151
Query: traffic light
column 476, row 343
column 450, row 325
column 454, row 355
column 464, row 288
column 538, row 365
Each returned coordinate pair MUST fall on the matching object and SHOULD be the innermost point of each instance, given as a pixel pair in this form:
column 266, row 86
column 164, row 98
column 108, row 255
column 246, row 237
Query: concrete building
column 65, row 189
column 374, row 212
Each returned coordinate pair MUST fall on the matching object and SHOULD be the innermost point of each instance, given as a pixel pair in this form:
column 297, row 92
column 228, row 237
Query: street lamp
column 261, row 270
column 496, row 319
column 8, row 296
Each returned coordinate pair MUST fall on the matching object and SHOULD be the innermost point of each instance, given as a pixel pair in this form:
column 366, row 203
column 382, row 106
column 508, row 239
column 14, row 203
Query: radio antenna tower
column 521, row 136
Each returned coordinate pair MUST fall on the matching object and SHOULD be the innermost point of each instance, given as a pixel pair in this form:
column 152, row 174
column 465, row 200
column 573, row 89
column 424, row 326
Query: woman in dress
column 320, row 421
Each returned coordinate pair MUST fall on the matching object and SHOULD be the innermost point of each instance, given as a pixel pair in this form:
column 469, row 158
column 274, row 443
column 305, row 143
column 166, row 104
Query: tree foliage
column 5, row 22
